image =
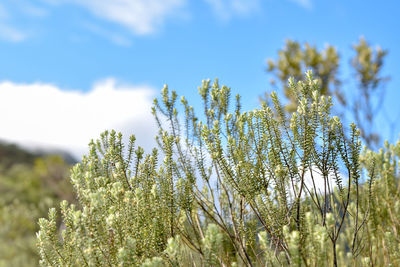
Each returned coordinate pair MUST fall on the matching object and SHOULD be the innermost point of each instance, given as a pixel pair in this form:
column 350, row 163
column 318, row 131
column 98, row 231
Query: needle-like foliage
column 257, row 188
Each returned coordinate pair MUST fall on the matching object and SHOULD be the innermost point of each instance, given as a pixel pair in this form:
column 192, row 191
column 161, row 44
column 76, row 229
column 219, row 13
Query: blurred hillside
column 11, row 154
column 30, row 183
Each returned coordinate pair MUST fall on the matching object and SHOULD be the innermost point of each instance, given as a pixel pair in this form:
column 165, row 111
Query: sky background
column 70, row 69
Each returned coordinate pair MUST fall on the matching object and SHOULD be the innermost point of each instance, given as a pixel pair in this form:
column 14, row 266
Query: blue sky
column 77, row 46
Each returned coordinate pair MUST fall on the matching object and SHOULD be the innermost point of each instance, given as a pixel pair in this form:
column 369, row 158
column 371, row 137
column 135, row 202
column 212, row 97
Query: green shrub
column 233, row 189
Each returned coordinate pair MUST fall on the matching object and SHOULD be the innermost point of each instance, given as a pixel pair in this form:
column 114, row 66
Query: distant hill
column 31, row 182
column 11, row 154
column 64, row 154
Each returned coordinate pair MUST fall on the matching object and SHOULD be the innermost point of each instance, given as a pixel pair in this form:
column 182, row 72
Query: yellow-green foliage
column 366, row 73
column 127, row 210
column 258, row 188
column 26, row 193
column 382, row 237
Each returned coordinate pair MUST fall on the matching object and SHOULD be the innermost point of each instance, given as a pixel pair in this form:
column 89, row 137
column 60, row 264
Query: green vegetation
column 257, row 188
column 287, row 184
column 362, row 99
column 29, row 186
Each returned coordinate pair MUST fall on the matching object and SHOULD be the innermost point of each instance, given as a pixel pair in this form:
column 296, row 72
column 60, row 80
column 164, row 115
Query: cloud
column 315, row 183
column 43, row 115
column 226, row 9
column 307, row 4
column 139, row 16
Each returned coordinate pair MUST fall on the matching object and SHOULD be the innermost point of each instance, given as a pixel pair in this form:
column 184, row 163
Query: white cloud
column 139, row 16
column 43, row 115
column 226, row 9
column 315, row 183
column 303, row 3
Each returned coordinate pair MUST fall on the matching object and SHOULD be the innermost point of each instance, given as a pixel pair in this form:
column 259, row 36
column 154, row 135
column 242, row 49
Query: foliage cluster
column 364, row 93
column 257, row 188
